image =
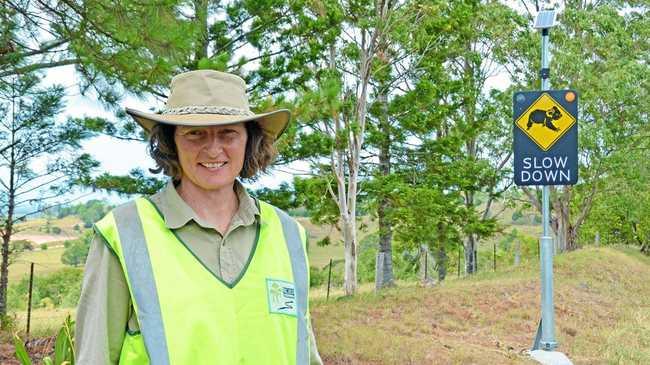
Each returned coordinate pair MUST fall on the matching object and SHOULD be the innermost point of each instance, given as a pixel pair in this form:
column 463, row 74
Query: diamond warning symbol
column 545, row 121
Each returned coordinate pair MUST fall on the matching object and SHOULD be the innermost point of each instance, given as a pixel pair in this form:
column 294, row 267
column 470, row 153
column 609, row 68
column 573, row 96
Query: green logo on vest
column 282, row 297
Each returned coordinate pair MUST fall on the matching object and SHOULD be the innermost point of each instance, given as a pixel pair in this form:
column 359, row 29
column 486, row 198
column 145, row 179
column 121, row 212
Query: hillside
column 602, row 300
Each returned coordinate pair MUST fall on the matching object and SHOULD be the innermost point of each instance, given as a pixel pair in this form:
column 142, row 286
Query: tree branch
column 39, row 66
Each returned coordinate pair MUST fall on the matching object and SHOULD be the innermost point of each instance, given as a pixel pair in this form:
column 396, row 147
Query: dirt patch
column 38, row 349
column 42, row 238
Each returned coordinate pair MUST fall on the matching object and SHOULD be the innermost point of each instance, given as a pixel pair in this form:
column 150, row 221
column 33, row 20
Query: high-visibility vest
column 189, row 316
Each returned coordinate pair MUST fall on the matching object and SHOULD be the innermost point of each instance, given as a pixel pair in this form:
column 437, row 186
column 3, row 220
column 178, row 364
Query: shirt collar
column 177, row 213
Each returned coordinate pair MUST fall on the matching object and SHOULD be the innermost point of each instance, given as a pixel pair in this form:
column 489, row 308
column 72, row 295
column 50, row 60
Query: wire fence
column 33, row 317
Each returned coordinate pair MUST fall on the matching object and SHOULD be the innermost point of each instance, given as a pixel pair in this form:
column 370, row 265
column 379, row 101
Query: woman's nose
column 214, row 146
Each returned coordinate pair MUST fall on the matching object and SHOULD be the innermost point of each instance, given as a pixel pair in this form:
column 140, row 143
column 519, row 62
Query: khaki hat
column 205, row 98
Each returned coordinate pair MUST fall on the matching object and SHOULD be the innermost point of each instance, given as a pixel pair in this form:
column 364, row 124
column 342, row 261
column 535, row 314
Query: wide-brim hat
column 207, row 98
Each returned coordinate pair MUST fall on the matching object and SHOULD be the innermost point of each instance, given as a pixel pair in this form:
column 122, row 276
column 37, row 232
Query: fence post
column 426, row 265
column 329, row 279
column 494, row 255
column 458, row 261
column 29, row 300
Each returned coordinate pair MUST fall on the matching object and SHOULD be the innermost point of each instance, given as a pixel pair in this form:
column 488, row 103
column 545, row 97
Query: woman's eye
column 194, row 133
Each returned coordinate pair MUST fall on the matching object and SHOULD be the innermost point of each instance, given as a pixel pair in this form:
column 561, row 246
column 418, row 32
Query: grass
column 46, row 261
column 34, row 226
column 319, row 256
column 44, row 322
column 602, row 301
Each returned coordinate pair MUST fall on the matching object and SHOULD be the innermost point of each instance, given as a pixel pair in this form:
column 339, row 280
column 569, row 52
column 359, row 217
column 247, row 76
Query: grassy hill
column 602, row 299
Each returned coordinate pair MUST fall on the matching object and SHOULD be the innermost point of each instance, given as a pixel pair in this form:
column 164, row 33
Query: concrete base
column 550, row 357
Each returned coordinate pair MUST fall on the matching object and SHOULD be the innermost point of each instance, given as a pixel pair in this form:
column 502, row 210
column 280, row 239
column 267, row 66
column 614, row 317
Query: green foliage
column 22, row 245
column 623, row 215
column 134, row 183
column 404, row 264
column 283, row 197
column 21, row 351
column 43, row 246
column 89, row 212
column 63, row 347
column 313, row 194
column 76, row 251
column 60, row 289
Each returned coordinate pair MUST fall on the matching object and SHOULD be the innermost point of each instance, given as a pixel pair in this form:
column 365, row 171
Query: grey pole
column 547, row 340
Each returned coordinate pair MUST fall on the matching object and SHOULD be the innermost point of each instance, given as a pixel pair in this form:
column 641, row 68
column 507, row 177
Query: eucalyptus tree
column 621, row 214
column 600, row 49
column 456, row 48
column 333, row 110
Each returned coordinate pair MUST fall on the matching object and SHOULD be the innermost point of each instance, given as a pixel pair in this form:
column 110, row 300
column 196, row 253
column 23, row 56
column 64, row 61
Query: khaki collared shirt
column 105, row 307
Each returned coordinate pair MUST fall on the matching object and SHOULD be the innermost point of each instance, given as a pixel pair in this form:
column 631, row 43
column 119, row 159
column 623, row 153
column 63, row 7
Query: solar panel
column 545, row 19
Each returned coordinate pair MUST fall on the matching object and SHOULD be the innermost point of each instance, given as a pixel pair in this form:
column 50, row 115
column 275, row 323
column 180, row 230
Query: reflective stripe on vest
column 226, row 324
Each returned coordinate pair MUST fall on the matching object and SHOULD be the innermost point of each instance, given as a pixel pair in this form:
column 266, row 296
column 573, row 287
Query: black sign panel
column 545, row 137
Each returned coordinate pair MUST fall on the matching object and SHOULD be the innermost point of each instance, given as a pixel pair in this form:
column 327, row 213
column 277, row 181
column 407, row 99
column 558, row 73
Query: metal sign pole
column 548, row 321
column 545, row 141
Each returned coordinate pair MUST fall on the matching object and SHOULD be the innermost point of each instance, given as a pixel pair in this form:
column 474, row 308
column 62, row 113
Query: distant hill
column 602, row 301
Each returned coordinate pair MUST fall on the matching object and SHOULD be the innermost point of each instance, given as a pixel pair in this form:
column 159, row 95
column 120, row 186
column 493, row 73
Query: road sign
column 545, row 137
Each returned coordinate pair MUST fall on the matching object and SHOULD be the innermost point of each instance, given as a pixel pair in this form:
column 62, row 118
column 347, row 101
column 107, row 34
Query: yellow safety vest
column 188, row 316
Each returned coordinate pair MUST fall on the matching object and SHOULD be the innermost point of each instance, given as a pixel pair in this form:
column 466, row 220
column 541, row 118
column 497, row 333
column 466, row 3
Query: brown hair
column 260, row 151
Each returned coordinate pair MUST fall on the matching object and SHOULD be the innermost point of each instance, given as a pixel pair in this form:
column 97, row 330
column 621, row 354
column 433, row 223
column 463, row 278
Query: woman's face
column 212, row 157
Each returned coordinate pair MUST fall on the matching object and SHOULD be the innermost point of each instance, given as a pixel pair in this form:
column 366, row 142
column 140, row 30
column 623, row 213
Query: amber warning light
column 570, row 96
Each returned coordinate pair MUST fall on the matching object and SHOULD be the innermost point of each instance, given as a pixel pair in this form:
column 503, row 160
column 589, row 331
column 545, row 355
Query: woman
column 200, row 272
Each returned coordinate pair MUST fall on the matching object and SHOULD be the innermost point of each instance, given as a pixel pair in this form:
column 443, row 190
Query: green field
column 45, row 262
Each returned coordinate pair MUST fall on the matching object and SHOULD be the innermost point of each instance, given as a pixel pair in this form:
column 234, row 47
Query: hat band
column 207, row 109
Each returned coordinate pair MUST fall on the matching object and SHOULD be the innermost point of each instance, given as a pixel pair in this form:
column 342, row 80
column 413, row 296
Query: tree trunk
column 470, row 255
column 350, row 243
column 384, row 268
column 425, row 263
column 201, row 14
column 4, row 269
column 645, row 248
column 7, row 231
column 571, row 238
column 517, row 252
column 441, row 263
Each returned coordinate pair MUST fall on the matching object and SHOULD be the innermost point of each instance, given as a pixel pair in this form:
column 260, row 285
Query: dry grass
column 319, row 256
column 46, row 261
column 602, row 303
column 33, row 226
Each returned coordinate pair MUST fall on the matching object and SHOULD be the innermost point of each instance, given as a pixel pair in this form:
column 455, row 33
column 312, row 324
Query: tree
column 443, row 111
column 39, row 156
column 89, row 212
column 621, row 214
column 333, row 110
column 613, row 76
column 482, row 118
column 76, row 251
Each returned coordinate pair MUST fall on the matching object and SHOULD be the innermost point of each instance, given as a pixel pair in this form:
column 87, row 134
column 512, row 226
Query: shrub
column 76, row 251
column 22, row 245
column 43, row 246
column 59, row 289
